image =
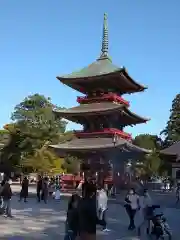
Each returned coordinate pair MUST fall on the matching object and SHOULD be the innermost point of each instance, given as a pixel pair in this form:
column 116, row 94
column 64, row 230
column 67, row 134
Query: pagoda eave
column 119, row 80
column 80, row 113
column 97, row 144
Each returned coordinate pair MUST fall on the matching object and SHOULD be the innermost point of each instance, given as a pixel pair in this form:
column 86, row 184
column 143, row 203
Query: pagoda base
column 106, row 132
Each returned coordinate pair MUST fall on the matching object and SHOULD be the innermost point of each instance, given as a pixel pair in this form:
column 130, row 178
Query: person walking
column 177, row 193
column 1, row 198
column 45, row 190
column 24, row 190
column 51, row 186
column 146, row 211
column 88, row 214
column 7, row 195
column 57, row 189
column 72, row 221
column 39, row 188
column 102, row 199
column 131, row 206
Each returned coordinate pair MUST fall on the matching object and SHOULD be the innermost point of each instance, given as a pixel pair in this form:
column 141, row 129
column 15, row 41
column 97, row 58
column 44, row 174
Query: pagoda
column 103, row 113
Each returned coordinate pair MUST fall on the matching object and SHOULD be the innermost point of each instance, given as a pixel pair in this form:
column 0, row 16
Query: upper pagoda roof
column 90, row 78
column 81, row 112
column 91, row 144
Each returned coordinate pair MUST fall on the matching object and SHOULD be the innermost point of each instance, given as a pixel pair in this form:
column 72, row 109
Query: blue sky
column 42, row 39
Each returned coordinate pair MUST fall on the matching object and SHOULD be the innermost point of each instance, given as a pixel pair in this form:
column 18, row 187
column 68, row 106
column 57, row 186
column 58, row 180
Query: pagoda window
column 90, row 94
column 101, row 126
column 87, row 127
column 107, row 123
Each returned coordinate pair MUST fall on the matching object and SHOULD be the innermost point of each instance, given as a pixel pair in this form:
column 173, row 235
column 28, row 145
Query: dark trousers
column 23, row 195
column 44, row 196
column 131, row 213
column 38, row 195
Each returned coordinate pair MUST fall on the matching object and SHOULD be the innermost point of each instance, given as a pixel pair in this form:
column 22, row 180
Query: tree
column 4, row 136
column 43, row 161
column 172, row 129
column 147, row 141
column 71, row 164
column 34, row 123
column 150, row 163
column 35, row 117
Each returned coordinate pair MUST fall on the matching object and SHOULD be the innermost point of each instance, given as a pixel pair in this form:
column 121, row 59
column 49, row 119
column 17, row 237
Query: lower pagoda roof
column 78, row 114
column 173, row 150
column 95, row 144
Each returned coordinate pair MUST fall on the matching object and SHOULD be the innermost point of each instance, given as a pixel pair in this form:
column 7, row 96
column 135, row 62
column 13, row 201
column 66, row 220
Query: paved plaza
column 39, row 221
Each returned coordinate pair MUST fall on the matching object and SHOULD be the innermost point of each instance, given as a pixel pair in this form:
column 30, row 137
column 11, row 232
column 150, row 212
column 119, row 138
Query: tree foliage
column 71, row 164
column 36, row 118
column 150, row 163
column 4, row 136
column 172, row 129
column 43, row 161
column 34, row 124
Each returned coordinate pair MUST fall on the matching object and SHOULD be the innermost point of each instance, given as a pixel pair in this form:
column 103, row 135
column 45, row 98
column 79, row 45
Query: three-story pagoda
column 103, row 113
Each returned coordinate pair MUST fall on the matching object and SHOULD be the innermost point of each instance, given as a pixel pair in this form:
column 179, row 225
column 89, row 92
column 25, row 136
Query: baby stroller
column 159, row 226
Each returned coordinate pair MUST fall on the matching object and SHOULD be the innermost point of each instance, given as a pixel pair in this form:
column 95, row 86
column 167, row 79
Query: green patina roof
column 100, row 67
column 103, row 65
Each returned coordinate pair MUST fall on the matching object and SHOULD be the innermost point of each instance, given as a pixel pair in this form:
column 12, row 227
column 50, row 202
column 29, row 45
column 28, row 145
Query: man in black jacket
column 88, row 214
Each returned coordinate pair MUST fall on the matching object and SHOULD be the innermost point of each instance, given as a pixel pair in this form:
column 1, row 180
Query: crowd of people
column 85, row 211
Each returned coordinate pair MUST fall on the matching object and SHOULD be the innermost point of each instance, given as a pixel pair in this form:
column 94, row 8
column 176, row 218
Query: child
column 72, row 228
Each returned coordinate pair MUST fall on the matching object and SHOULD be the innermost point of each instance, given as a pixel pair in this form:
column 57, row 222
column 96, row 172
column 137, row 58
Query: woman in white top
column 102, row 200
column 132, row 205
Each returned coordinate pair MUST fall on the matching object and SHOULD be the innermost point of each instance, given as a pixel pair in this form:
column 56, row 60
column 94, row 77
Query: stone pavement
column 39, row 221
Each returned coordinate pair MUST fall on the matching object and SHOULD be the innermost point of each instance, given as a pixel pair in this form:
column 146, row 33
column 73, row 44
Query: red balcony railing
column 105, row 131
column 105, row 97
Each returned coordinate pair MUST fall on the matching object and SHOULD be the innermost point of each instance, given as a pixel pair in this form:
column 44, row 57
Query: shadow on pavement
column 40, row 221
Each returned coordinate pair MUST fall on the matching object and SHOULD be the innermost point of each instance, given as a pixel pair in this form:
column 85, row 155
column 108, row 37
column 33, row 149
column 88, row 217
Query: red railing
column 105, row 131
column 105, row 97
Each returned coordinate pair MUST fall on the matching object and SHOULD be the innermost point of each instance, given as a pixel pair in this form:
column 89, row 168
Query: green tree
column 148, row 141
column 43, row 161
column 35, row 117
column 34, row 123
column 71, row 164
column 150, row 164
column 4, row 136
column 172, row 129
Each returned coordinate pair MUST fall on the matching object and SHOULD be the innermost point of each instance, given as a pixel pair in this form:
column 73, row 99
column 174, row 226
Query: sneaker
column 106, row 230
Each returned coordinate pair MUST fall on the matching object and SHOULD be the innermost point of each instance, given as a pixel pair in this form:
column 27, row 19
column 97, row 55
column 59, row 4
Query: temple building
column 102, row 145
column 172, row 156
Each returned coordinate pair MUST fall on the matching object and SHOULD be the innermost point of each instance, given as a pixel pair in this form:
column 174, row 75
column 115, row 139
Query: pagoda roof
column 79, row 113
column 173, row 150
column 90, row 78
column 90, row 144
